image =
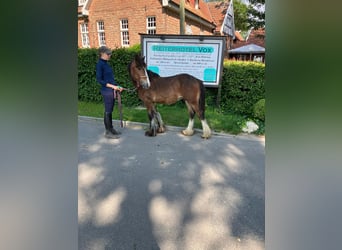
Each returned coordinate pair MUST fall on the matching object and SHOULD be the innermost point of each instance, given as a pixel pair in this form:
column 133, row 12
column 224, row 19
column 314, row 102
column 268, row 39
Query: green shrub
column 259, row 109
column 242, row 86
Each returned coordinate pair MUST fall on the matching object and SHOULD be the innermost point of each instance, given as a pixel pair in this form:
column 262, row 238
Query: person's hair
column 104, row 49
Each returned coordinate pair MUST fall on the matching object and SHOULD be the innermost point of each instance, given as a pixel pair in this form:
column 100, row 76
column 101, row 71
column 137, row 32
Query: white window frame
column 124, row 32
column 85, row 35
column 81, row 2
column 188, row 29
column 101, row 33
column 151, row 25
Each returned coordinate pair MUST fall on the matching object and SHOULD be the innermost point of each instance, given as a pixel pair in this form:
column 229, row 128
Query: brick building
column 117, row 23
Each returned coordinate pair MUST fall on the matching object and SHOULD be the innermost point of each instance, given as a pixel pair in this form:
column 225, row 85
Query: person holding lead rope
column 105, row 77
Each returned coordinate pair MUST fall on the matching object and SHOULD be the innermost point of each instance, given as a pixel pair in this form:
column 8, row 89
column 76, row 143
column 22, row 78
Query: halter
column 145, row 77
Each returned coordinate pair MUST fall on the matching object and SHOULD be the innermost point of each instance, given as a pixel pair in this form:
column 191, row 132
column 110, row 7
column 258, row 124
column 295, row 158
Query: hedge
column 242, row 85
column 259, row 110
column 88, row 87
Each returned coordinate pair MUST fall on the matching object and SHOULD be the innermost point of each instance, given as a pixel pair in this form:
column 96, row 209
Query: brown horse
column 153, row 89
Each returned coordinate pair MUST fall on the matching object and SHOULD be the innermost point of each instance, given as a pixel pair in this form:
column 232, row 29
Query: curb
column 141, row 125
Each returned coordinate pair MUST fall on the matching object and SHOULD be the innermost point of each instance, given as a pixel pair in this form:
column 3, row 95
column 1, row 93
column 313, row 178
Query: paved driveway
column 169, row 191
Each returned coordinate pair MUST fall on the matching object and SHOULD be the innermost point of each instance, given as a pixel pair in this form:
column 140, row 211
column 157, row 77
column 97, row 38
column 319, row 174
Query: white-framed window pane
column 124, row 24
column 124, row 32
column 81, row 2
column 151, row 25
column 85, row 41
column 124, row 38
column 151, row 32
column 84, row 35
column 102, row 39
column 101, row 33
column 100, row 26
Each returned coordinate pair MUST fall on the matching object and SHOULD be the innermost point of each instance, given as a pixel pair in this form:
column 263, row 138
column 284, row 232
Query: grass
column 173, row 115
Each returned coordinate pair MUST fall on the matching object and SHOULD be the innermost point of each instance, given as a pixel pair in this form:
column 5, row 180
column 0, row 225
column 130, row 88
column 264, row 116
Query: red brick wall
column 112, row 11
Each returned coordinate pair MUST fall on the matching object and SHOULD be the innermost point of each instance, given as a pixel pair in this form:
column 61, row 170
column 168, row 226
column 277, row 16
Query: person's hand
column 119, row 88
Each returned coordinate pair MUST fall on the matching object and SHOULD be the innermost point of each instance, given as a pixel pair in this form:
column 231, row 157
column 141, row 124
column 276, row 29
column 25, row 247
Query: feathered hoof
column 205, row 136
column 188, row 132
column 150, row 133
column 161, row 130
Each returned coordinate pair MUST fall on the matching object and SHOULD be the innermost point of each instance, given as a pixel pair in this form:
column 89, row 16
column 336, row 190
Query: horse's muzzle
column 145, row 84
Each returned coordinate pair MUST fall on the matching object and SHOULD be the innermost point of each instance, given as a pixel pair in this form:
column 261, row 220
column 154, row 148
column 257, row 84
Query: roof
column 250, row 48
column 238, row 36
column 255, row 37
column 218, row 11
column 202, row 11
column 190, row 5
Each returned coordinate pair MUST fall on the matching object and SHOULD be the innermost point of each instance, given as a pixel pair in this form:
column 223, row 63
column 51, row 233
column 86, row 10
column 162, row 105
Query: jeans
column 109, row 101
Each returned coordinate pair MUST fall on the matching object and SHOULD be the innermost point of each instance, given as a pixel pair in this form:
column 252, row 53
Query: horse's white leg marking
column 160, row 121
column 206, row 130
column 189, row 130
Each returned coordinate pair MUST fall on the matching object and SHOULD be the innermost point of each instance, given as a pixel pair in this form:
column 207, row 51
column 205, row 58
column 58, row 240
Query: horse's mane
column 140, row 62
column 151, row 74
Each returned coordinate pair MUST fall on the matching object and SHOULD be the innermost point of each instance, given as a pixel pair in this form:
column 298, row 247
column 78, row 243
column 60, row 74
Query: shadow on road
column 170, row 191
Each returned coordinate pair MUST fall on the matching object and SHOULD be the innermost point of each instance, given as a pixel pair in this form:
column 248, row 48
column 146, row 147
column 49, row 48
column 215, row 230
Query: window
column 101, row 33
column 81, row 2
column 84, row 35
column 188, row 29
column 124, row 32
column 151, row 25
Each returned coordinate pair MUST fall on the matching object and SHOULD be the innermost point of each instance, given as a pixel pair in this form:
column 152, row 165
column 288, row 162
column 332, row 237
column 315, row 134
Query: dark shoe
column 110, row 135
column 108, row 122
column 114, row 132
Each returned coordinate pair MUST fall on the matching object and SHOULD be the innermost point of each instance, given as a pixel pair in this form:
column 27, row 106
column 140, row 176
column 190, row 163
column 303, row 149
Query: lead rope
column 118, row 95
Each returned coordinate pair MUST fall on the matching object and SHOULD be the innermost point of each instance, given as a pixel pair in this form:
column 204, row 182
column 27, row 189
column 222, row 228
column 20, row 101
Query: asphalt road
column 169, row 191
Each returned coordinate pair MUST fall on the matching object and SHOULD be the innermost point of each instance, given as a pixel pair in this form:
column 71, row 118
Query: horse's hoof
column 149, row 133
column 205, row 136
column 187, row 132
column 161, row 130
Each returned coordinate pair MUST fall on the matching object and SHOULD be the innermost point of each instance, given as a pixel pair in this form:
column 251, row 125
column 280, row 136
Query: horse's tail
column 201, row 101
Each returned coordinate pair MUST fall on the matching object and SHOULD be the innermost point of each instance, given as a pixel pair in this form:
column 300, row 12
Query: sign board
column 199, row 56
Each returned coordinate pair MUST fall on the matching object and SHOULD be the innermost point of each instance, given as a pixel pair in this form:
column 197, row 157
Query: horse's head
column 138, row 72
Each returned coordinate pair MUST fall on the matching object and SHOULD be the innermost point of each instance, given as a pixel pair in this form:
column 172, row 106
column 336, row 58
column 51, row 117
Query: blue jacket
column 104, row 75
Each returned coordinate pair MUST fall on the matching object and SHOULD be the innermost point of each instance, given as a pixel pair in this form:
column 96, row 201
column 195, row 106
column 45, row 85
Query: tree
column 256, row 14
column 240, row 13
